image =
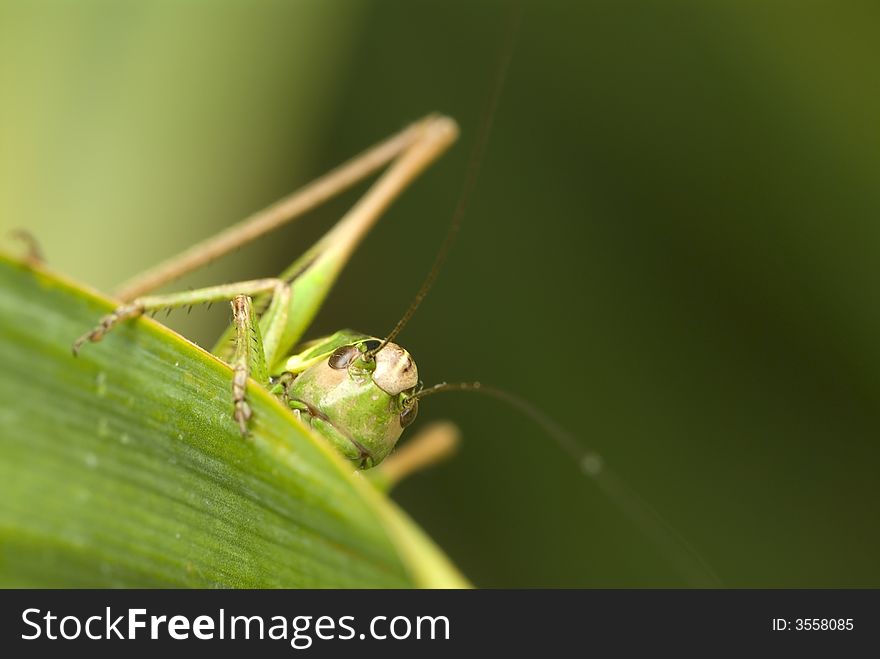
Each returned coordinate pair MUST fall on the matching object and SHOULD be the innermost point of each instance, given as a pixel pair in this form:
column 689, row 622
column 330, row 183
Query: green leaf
column 123, row 467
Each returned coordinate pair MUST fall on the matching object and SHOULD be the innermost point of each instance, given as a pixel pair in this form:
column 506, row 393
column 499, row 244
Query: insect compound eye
column 342, row 357
column 370, row 344
column 409, row 414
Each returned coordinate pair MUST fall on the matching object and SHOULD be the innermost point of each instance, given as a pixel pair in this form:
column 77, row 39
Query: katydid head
column 361, row 401
column 392, row 369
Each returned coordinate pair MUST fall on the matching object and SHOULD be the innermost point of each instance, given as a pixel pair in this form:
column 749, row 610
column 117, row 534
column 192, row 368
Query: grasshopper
column 357, row 391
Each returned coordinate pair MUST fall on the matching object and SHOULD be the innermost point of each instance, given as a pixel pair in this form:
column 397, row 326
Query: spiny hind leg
column 430, row 137
column 139, row 306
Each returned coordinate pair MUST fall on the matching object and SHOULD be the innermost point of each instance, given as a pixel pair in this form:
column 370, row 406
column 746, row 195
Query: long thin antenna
column 678, row 551
column 473, row 169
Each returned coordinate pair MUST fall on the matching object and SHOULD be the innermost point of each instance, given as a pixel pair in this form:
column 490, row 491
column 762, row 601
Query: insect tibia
column 287, row 209
column 248, row 360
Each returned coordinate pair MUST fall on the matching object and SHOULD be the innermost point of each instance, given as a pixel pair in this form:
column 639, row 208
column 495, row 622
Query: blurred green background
column 672, row 247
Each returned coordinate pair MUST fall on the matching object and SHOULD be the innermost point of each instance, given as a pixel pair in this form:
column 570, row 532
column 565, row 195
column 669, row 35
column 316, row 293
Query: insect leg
column 172, row 300
column 34, row 254
column 275, row 321
column 249, row 359
column 432, row 445
column 279, row 213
